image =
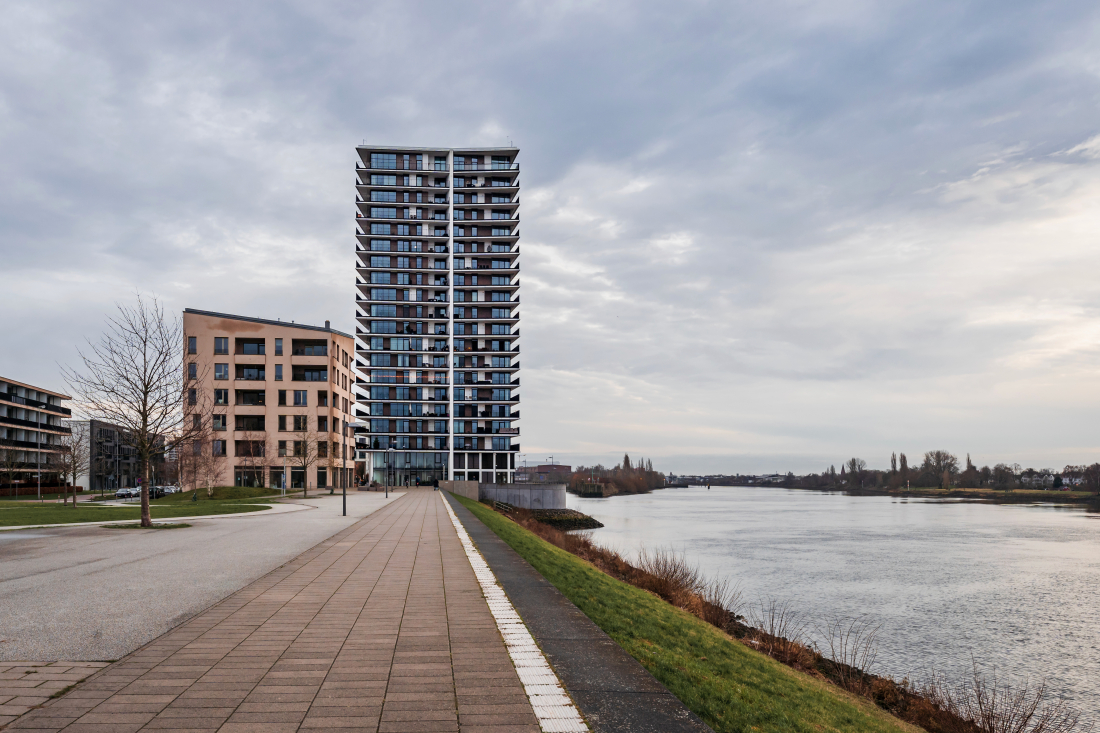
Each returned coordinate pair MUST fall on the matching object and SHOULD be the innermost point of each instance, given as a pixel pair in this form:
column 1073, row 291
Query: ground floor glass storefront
column 323, row 477
column 408, row 468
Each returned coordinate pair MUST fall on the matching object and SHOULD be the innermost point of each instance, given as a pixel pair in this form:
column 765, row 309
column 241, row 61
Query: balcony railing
column 16, row 399
column 486, row 166
column 34, row 425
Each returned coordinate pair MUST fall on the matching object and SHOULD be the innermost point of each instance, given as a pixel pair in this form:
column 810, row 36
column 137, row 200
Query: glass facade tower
column 437, row 308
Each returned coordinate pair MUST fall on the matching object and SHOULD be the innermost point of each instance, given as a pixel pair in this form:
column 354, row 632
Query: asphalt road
column 89, row 593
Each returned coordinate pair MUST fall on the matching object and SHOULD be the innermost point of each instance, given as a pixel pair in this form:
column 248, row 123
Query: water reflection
column 1015, row 586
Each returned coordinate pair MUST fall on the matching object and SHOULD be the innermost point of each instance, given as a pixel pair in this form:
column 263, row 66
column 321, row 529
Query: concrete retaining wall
column 467, row 489
column 539, row 496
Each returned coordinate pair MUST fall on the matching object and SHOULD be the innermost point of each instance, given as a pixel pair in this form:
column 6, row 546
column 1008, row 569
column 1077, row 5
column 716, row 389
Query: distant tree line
column 627, row 477
column 941, row 469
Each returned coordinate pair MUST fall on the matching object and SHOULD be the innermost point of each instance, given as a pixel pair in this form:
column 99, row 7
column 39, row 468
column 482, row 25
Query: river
column 1015, row 587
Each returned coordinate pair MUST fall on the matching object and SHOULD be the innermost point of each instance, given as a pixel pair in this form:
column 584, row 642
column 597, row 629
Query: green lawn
column 35, row 514
column 728, row 685
column 220, row 493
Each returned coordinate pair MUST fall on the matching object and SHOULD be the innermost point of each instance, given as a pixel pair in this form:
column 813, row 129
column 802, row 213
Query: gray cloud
column 756, row 236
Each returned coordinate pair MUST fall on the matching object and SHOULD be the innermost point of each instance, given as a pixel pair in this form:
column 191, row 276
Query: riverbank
column 992, row 496
column 730, row 686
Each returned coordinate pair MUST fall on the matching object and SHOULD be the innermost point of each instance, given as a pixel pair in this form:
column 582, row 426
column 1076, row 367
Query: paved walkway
column 382, row 627
column 26, row 685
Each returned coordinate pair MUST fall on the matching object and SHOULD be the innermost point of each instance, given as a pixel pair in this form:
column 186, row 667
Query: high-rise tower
column 437, row 306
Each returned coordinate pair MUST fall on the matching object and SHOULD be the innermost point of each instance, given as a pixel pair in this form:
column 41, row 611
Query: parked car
column 124, row 493
column 171, row 489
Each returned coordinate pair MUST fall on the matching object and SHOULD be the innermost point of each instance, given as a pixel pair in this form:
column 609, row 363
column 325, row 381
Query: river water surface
column 1015, row 587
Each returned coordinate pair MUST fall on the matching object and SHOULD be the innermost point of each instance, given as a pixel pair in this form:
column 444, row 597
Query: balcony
column 486, row 166
column 30, row 424
column 16, row 399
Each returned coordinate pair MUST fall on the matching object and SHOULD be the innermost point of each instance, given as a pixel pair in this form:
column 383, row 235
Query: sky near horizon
column 756, row 236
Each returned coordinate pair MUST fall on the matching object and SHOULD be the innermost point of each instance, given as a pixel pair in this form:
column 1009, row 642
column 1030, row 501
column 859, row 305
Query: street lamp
column 389, row 463
column 352, row 426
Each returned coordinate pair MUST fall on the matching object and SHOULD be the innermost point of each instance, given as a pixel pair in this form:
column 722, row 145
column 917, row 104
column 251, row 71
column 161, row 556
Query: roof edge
column 250, row 319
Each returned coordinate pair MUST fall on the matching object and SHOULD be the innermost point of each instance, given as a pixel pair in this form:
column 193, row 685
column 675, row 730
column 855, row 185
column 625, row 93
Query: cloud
column 753, row 234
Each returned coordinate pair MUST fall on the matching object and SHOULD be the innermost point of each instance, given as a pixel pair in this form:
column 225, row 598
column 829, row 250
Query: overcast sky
column 756, row 236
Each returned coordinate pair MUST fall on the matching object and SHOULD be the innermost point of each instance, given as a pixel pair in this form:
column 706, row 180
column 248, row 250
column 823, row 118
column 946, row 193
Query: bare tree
column 10, row 466
column 856, row 467
column 938, row 461
column 134, row 378
column 74, row 459
column 251, row 451
column 303, row 451
column 1092, row 478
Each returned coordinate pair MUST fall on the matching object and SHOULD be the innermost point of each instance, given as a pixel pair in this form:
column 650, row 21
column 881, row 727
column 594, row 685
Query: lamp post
column 344, row 466
column 389, row 465
column 352, row 425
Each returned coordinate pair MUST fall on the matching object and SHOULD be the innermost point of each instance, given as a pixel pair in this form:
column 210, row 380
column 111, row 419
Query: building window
column 310, row 374
column 218, row 447
column 282, row 446
column 322, row 449
column 278, row 347
column 192, row 371
column 282, row 425
column 384, row 160
column 282, row 397
column 196, row 422
column 322, row 478
column 256, row 423
column 192, row 397
column 278, row 372
column 221, row 397
column 219, row 422
column 221, row 345
column 300, row 423
column 192, row 345
column 322, row 424
column 299, row 398
column 322, row 398
column 253, row 373
column 221, row 371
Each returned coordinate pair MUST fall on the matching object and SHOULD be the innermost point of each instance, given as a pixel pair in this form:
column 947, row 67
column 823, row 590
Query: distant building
column 275, row 390
column 112, row 460
column 547, row 473
column 32, row 424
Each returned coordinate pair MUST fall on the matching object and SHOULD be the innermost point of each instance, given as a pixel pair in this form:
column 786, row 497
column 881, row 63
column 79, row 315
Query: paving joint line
column 553, row 708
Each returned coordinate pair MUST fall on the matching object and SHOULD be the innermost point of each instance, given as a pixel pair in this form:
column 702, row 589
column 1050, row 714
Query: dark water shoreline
column 1090, row 501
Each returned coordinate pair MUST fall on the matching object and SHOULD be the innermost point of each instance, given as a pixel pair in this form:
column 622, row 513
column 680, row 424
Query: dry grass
column 984, row 703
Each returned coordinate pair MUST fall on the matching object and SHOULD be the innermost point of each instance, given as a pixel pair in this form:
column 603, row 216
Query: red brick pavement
column 383, row 627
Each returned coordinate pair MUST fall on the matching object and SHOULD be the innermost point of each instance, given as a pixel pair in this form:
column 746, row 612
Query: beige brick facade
column 270, row 393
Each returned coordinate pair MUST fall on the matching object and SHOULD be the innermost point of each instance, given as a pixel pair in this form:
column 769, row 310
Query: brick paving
column 383, row 627
column 26, row 685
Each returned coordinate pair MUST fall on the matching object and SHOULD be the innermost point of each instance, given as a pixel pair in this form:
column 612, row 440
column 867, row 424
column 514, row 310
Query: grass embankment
column 728, row 685
column 38, row 514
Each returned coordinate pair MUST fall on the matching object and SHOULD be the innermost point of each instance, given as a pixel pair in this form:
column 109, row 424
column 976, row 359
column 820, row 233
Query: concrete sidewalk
column 382, row 627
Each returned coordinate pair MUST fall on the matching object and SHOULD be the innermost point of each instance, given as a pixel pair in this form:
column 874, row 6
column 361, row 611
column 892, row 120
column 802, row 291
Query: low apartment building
column 32, row 426
column 274, row 400
column 112, row 459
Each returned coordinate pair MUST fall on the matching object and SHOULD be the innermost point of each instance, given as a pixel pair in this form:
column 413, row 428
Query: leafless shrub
column 722, row 602
column 995, row 706
column 849, row 647
column 671, row 576
column 779, row 631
